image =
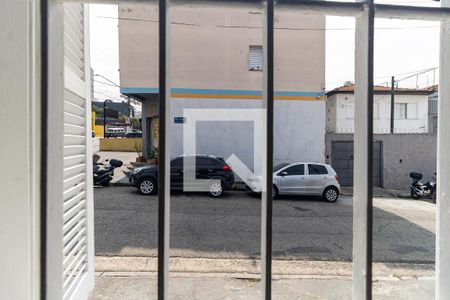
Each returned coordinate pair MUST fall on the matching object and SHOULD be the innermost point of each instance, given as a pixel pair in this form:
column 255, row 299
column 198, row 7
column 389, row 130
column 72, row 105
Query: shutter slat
column 74, row 119
column 74, row 266
column 73, row 191
column 73, row 129
column 74, row 150
column 79, row 240
column 74, row 180
column 71, row 244
column 74, row 109
column 73, row 201
column 73, row 139
column 74, row 212
column 72, row 67
column 71, row 161
column 72, row 222
column 69, row 288
column 68, row 237
column 72, row 98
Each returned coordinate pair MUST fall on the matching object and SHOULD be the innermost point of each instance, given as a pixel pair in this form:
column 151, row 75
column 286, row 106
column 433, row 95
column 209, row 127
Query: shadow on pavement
column 304, row 228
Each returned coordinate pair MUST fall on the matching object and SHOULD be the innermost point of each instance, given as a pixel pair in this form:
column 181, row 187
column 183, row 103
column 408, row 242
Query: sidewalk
column 380, row 193
column 120, row 174
column 139, row 286
column 201, row 278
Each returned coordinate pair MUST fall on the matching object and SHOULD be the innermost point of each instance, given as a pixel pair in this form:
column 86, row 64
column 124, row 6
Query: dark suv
column 206, row 167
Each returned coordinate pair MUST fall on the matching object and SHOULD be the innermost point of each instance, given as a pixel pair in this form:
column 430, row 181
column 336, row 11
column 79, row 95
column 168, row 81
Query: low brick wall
column 121, row 144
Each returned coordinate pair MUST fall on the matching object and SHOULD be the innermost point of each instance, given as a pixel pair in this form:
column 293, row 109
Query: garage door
column 342, row 162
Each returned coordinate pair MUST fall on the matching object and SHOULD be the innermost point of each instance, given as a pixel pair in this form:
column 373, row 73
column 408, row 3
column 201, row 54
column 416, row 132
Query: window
column 404, row 111
column 279, row 166
column 400, row 111
column 203, row 161
column 177, row 162
column 295, row 170
column 317, row 170
column 411, row 111
column 255, row 58
column 349, row 109
column 376, row 110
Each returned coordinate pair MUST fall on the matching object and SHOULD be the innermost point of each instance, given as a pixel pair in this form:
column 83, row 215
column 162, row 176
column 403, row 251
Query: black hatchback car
column 206, row 167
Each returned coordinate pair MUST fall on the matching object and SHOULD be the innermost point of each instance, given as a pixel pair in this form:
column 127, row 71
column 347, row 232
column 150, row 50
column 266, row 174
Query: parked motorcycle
column 103, row 174
column 422, row 190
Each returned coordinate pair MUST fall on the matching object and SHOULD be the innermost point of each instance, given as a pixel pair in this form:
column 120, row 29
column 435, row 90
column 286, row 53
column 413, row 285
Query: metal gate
column 364, row 12
column 342, row 162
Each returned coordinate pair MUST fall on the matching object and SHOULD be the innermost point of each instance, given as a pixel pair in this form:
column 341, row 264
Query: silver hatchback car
column 315, row 179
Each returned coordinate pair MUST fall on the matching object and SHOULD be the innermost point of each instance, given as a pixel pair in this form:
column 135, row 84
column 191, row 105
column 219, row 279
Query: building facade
column 412, row 147
column 216, row 61
column 411, row 110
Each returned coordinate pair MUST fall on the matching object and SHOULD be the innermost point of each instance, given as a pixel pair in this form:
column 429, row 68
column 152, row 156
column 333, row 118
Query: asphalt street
column 229, row 227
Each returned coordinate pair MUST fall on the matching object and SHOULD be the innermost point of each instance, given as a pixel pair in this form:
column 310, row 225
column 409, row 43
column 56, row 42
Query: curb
column 252, row 267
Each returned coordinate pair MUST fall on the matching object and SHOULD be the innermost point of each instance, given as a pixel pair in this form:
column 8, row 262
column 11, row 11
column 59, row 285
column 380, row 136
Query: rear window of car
column 205, row 161
column 317, row 169
column 177, row 162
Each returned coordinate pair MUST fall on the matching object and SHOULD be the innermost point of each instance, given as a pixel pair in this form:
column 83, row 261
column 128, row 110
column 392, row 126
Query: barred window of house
column 255, row 58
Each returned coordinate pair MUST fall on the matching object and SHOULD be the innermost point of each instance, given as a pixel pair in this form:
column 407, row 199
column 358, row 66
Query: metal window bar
column 266, row 196
column 164, row 156
column 365, row 12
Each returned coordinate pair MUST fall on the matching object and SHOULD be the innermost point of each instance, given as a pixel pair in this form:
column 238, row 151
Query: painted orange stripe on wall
column 246, row 97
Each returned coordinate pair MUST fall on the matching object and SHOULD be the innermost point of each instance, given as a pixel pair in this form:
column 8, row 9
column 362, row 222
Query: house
column 217, row 62
column 412, row 147
column 411, row 110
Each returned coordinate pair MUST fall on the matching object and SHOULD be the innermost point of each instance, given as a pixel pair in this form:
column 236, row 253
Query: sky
column 402, row 48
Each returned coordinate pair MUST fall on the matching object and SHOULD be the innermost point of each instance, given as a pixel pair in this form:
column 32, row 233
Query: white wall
column 19, row 150
column 299, row 130
column 341, row 110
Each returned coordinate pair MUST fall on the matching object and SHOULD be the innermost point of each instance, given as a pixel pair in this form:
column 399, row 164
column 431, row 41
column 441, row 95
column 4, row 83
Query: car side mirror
column 284, row 173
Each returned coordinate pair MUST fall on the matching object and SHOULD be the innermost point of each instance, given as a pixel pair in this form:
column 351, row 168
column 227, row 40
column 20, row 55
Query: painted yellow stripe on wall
column 215, row 96
column 246, row 97
column 300, row 98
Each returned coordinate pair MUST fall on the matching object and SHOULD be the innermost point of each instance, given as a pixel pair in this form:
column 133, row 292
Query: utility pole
column 104, row 119
column 392, row 103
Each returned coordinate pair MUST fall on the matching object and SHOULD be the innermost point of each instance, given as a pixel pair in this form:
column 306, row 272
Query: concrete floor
column 229, row 227
column 139, row 287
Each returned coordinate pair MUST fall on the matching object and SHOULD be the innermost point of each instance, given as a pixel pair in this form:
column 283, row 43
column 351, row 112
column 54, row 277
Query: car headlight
column 137, row 171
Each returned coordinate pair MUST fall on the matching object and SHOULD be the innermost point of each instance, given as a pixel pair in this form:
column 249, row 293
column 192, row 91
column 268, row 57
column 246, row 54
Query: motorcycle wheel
column 414, row 195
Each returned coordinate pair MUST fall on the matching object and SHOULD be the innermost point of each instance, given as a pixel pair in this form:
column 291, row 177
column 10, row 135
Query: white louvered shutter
column 77, row 196
column 255, row 58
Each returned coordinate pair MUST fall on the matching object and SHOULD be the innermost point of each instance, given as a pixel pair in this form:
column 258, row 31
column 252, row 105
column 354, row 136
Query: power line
column 260, row 27
column 108, row 84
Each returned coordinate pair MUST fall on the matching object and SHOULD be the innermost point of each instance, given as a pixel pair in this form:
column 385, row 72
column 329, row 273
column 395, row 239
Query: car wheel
column 414, row 195
column 275, row 192
column 331, row 194
column 147, row 186
column 216, row 189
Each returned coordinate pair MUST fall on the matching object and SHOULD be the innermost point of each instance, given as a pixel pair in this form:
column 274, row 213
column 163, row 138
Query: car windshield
column 279, row 166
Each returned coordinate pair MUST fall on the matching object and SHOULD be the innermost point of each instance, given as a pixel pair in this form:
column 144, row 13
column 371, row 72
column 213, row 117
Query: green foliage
column 153, row 153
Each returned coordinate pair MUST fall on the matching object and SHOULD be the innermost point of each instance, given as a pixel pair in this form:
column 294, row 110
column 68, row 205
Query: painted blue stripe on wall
column 132, row 90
